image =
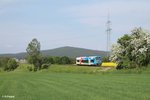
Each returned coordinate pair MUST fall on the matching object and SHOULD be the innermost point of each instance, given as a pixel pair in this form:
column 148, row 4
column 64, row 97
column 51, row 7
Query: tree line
column 10, row 64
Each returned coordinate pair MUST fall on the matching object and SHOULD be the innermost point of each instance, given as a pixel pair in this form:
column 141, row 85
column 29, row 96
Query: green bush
column 65, row 60
column 11, row 65
column 47, row 60
column 3, row 62
column 45, row 66
column 105, row 59
column 30, row 68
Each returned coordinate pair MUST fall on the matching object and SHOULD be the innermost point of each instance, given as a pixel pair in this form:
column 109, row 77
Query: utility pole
column 108, row 32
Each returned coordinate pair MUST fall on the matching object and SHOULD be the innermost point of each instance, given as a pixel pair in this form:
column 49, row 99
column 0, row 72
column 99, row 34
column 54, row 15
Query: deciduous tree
column 34, row 54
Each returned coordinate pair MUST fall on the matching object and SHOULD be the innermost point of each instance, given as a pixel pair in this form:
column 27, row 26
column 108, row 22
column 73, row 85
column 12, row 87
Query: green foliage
column 132, row 51
column 138, row 70
column 124, row 41
column 24, row 67
column 57, row 60
column 47, row 60
column 105, row 59
column 45, row 66
column 30, row 68
column 8, row 64
column 34, row 56
column 65, row 60
column 3, row 62
column 33, row 48
column 11, row 65
column 50, row 60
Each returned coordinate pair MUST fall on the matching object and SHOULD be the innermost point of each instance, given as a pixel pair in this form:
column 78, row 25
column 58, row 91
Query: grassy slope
column 47, row 85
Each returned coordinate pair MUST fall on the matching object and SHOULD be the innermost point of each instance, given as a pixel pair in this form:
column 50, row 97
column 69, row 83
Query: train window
column 85, row 61
column 92, row 61
column 77, row 60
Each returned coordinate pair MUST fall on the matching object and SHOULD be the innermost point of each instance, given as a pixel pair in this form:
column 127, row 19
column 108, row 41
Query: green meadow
column 68, row 82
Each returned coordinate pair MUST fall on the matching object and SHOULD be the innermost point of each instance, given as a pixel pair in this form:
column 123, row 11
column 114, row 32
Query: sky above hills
column 77, row 23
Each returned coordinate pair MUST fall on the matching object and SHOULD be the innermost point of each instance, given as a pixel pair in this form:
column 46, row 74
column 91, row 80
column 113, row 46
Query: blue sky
column 77, row 23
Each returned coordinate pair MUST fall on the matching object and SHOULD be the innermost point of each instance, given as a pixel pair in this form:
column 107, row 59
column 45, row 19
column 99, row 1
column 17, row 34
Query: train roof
column 87, row 57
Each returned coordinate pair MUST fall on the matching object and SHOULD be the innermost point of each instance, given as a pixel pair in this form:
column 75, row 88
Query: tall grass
column 144, row 69
column 84, row 69
column 73, row 69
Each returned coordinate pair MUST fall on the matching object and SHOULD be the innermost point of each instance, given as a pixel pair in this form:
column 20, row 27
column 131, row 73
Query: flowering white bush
column 117, row 50
column 134, row 48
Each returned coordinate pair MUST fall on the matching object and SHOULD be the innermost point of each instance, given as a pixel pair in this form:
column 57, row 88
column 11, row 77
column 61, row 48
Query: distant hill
column 71, row 52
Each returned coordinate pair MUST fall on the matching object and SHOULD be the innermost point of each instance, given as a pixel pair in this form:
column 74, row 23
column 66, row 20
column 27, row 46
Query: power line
column 108, row 32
